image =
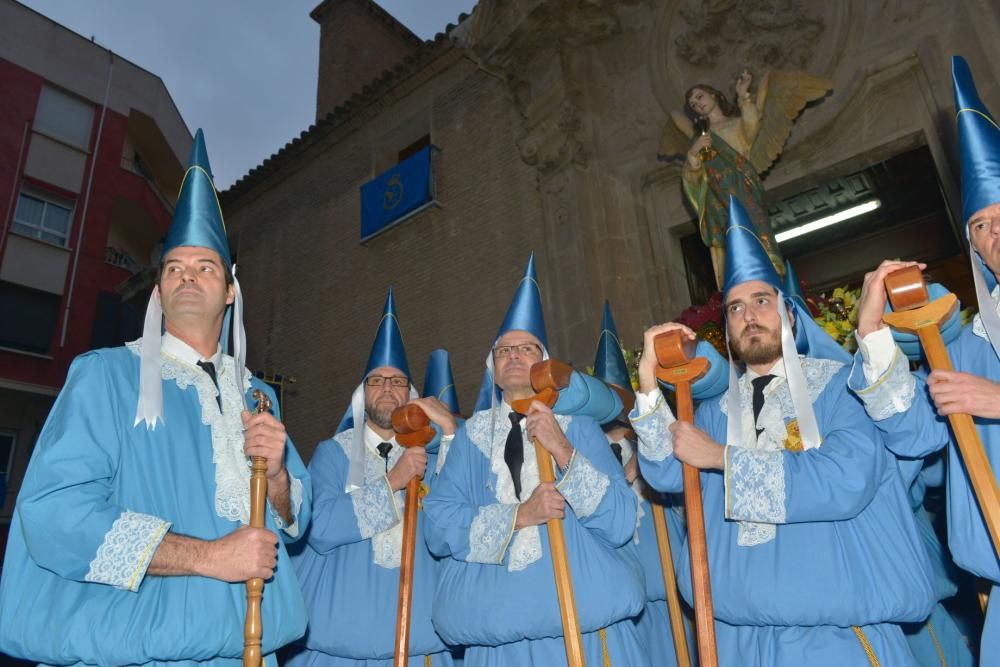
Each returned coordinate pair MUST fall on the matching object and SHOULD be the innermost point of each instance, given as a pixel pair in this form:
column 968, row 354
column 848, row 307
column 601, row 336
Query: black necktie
column 383, row 450
column 758, row 397
column 616, row 449
column 209, row 368
column 513, row 451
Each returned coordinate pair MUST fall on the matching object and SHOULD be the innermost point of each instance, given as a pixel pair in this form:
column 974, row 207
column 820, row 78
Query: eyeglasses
column 522, row 349
column 381, row 380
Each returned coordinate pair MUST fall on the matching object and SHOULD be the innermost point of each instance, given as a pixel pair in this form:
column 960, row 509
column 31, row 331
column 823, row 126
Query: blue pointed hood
column 197, row 217
column 793, row 289
column 524, row 314
column 388, row 350
column 979, row 149
column 609, row 366
column 439, row 381
column 979, row 143
column 747, row 260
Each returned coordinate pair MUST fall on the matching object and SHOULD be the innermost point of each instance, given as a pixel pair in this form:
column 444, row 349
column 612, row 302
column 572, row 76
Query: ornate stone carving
column 554, row 140
column 761, row 33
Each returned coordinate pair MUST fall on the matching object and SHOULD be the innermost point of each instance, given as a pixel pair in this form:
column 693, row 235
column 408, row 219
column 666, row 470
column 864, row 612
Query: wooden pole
column 915, row 313
column 670, row 585
column 253, row 628
column 680, row 368
column 547, row 377
column 413, row 429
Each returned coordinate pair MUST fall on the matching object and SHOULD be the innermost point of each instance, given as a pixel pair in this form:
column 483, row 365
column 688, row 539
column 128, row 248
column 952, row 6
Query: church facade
column 539, row 123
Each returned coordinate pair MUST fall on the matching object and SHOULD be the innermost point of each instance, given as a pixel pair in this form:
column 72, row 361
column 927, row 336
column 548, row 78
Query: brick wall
column 314, row 295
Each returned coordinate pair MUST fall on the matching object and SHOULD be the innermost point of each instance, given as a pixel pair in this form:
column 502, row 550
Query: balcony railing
column 122, row 259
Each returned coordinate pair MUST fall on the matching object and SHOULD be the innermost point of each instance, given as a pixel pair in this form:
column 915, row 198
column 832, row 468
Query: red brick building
column 91, row 155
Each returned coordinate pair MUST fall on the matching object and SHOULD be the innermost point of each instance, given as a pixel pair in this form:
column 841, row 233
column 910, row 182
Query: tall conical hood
column 387, row 349
column 524, row 314
column 439, row 382
column 746, row 257
column 197, row 217
column 610, row 366
column 793, row 289
column 978, row 141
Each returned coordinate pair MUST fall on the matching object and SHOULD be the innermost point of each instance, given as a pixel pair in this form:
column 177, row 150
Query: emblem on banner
column 393, row 193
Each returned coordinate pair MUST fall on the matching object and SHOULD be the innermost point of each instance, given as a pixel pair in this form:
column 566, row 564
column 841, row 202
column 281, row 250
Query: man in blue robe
column 912, row 409
column 486, row 516
column 129, row 543
column 813, row 553
column 349, row 567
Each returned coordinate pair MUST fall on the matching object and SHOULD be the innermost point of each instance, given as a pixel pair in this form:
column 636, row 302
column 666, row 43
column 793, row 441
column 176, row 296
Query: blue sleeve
column 338, row 517
column 70, row 525
column 457, row 525
column 901, row 407
column 659, row 467
column 595, row 488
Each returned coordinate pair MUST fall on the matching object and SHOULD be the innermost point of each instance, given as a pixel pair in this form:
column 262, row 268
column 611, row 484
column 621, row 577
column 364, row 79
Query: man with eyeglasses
column 486, row 516
column 349, row 568
column 813, row 553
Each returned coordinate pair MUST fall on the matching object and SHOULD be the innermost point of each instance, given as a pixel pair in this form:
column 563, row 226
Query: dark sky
column 243, row 70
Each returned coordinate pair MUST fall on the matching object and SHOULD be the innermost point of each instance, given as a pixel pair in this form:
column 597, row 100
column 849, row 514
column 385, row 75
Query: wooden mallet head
column 675, row 354
column 412, row 426
column 911, row 304
column 547, row 378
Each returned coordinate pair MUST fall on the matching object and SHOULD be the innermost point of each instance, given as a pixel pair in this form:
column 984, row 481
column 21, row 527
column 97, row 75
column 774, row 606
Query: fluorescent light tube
column 826, row 221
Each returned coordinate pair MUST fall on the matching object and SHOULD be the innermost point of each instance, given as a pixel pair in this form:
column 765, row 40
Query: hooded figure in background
column 349, row 566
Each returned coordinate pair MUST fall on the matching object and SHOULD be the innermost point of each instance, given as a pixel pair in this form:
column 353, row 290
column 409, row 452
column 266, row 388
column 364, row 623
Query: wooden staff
column 547, row 378
column 670, row 585
column 413, row 429
column 915, row 313
column 253, row 627
column 679, row 367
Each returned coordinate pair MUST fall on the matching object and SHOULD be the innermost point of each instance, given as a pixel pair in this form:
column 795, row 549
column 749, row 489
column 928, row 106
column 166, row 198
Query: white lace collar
column 232, row 468
column 488, row 429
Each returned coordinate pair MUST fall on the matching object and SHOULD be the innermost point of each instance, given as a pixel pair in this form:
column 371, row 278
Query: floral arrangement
column 706, row 322
column 837, row 314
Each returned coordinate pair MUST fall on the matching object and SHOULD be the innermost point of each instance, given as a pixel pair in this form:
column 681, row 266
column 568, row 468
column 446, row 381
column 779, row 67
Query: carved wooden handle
column 253, row 627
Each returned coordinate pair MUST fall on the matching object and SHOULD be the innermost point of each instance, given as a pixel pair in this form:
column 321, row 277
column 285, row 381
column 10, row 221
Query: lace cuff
column 375, row 508
column 491, row 532
column 655, row 440
column 890, row 394
column 583, row 486
column 295, row 495
column 127, row 549
column 755, row 485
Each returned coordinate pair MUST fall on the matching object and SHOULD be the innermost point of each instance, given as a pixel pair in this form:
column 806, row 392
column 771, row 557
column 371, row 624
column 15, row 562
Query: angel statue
column 726, row 148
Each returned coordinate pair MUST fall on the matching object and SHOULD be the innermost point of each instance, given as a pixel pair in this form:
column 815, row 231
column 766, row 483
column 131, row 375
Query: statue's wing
column 675, row 139
column 781, row 97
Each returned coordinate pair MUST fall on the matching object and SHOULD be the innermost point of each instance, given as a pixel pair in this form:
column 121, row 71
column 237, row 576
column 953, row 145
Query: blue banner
column 398, row 191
